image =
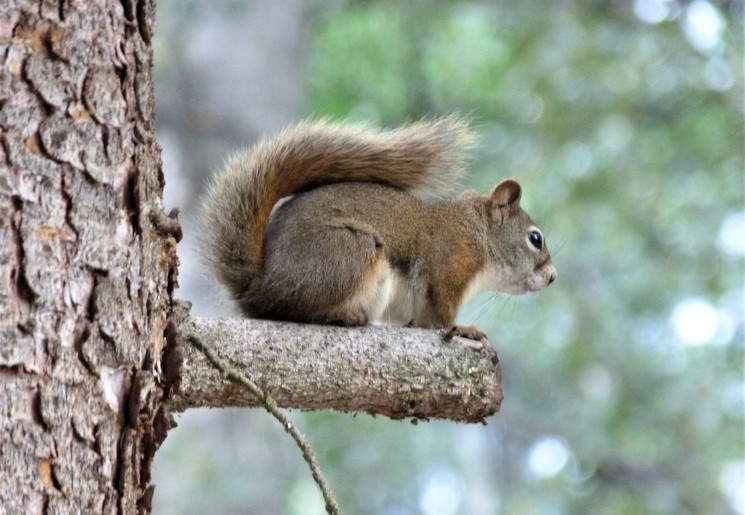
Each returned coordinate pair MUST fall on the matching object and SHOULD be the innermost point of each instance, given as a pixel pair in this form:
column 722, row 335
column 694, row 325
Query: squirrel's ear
column 506, row 193
column 504, row 200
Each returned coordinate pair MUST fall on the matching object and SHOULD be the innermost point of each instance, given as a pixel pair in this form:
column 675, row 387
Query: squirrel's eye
column 536, row 239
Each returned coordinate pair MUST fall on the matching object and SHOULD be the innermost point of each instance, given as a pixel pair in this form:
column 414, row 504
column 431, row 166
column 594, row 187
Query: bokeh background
column 624, row 122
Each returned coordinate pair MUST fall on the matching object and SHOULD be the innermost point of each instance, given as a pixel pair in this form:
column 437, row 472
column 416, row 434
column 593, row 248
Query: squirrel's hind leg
column 368, row 289
column 368, row 300
column 335, row 273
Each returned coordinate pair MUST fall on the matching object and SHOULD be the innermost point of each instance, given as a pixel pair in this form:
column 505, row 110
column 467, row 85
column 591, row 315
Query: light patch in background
column 731, row 237
column 697, row 322
column 305, row 499
column 732, row 484
column 614, row 136
column 718, row 75
column 547, row 457
column 733, row 399
column 597, row 383
column 177, row 190
column 703, row 26
column 576, row 159
column 654, row 11
column 441, row 492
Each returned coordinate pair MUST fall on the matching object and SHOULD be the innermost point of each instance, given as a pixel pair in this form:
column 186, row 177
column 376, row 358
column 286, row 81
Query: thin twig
column 231, row 374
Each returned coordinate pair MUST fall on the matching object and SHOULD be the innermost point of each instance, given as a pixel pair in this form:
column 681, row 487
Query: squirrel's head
column 517, row 246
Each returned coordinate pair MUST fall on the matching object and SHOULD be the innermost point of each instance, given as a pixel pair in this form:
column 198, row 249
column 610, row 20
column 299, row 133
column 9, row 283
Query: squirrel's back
column 424, row 157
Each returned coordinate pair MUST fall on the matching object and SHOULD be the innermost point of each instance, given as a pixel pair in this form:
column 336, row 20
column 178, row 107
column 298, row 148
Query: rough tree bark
column 86, row 278
column 89, row 339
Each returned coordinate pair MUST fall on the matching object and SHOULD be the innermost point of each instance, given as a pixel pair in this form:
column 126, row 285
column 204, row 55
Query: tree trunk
column 86, row 268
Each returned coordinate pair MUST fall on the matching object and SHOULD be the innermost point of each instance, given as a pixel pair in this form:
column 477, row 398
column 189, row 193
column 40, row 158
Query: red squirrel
column 355, row 242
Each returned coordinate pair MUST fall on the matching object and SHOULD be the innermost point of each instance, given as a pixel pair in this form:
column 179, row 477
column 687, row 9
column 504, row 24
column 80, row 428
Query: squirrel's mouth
column 539, row 279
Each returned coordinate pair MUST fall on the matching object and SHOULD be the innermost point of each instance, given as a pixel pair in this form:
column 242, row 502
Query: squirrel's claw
column 472, row 336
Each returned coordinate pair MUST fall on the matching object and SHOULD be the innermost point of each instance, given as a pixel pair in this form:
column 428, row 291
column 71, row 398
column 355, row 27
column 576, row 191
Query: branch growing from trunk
column 393, row 372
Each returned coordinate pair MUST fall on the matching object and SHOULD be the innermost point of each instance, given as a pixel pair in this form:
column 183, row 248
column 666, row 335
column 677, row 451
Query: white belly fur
column 398, row 300
column 393, row 300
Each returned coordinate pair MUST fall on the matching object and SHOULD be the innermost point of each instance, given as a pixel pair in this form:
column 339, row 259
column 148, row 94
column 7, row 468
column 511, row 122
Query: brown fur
column 354, row 243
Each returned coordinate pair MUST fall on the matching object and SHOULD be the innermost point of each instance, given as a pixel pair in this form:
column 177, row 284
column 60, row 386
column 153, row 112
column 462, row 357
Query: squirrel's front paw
column 474, row 337
column 468, row 331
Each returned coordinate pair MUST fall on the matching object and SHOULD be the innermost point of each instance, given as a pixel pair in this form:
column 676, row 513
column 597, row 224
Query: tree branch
column 332, row 506
column 385, row 371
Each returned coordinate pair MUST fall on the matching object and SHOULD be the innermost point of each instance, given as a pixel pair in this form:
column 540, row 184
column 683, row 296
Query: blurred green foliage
column 624, row 381
column 627, row 136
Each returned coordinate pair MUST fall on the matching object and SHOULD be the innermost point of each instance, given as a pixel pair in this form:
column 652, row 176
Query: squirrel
column 336, row 224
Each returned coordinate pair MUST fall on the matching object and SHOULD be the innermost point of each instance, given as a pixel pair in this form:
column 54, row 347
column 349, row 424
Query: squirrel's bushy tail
column 423, row 157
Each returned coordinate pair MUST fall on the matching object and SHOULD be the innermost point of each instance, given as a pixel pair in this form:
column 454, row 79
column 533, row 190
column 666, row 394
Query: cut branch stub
column 393, row 372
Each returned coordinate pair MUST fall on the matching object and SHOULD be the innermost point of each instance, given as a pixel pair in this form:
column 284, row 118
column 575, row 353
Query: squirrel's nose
column 552, row 275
